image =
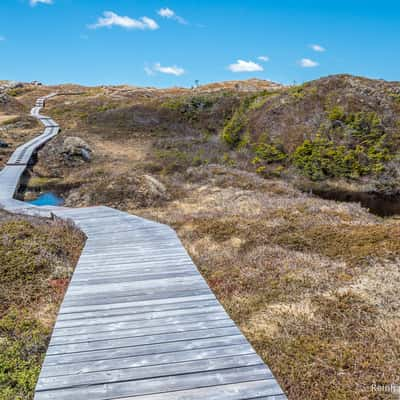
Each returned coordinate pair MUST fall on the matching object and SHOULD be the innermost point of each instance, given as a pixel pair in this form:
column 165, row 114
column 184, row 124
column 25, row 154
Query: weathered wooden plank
column 130, row 265
column 256, row 390
column 114, row 277
column 146, row 360
column 153, row 372
column 147, row 295
column 160, row 385
column 144, row 350
column 136, row 278
column 138, row 303
column 130, row 273
column 184, row 282
column 139, row 257
column 140, row 340
column 136, row 310
column 63, row 331
column 147, row 316
column 123, row 333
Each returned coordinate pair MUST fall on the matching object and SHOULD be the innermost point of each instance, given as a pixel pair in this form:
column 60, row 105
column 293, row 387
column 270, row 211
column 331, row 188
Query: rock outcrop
column 74, row 150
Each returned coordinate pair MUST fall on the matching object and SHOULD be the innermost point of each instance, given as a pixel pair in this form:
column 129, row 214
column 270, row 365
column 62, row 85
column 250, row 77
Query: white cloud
column 34, row 2
column 317, row 47
column 170, row 14
column 263, row 58
column 245, row 66
column 149, row 23
column 157, row 67
column 110, row 19
column 307, row 63
column 166, row 12
column 173, row 70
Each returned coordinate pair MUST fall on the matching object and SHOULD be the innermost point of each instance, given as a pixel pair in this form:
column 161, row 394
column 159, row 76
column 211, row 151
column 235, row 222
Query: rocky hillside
column 335, row 127
column 339, row 131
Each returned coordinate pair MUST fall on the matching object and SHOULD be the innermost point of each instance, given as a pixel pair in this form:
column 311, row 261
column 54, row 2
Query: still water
column 47, row 199
column 384, row 206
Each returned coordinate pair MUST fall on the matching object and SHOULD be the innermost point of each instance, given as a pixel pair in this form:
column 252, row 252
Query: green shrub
column 234, row 129
column 260, row 99
column 105, row 107
column 355, row 148
column 191, row 107
column 395, row 96
column 297, row 92
column 322, row 158
column 228, row 160
column 23, row 342
column 336, row 114
column 366, row 127
column 15, row 92
column 173, row 104
column 173, row 160
column 269, row 153
column 310, row 158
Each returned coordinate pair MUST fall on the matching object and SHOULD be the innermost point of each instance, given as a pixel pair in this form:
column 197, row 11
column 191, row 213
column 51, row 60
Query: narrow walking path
column 138, row 321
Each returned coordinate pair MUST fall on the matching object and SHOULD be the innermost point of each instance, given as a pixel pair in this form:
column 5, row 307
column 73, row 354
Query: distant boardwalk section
column 138, row 321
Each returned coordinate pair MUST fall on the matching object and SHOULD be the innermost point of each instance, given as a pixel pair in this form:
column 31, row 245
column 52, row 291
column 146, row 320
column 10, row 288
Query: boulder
column 3, row 144
column 15, row 85
column 74, row 147
column 86, row 155
column 4, row 98
column 154, row 187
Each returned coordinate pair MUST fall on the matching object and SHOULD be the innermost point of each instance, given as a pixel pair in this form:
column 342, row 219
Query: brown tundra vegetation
column 312, row 283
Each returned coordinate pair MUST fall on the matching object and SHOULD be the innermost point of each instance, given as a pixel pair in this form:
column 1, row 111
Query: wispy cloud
column 263, row 58
column 34, row 2
column 2, row 38
column 169, row 70
column 110, row 19
column 171, row 14
column 318, row 48
column 245, row 66
column 149, row 71
column 307, row 63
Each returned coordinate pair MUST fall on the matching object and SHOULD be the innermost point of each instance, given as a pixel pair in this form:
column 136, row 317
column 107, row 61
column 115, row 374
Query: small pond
column 378, row 204
column 47, row 199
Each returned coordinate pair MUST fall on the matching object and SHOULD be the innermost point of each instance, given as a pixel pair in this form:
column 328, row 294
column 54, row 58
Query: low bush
column 234, row 129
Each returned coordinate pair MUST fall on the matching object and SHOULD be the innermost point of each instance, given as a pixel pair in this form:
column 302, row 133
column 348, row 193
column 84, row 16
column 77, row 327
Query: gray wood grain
column 147, row 360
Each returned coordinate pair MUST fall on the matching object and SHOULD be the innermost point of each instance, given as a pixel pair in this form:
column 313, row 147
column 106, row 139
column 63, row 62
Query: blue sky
column 174, row 43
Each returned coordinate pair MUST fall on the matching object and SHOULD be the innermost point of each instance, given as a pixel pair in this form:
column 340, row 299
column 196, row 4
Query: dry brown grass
column 312, row 283
column 16, row 130
column 5, row 118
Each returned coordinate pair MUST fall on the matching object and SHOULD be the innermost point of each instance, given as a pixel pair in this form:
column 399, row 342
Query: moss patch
column 36, row 260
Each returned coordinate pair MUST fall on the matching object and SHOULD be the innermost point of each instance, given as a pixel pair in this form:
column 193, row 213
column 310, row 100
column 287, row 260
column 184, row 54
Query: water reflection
column 47, row 199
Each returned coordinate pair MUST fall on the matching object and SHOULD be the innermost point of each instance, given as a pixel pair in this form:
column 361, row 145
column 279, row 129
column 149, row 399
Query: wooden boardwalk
column 138, row 321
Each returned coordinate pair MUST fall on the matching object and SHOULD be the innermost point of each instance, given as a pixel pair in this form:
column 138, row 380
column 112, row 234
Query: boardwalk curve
column 138, row 321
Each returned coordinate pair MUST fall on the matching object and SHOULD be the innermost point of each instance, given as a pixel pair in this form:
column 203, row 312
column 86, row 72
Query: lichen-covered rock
column 4, row 98
column 76, row 147
column 121, row 191
column 62, row 153
column 154, row 186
